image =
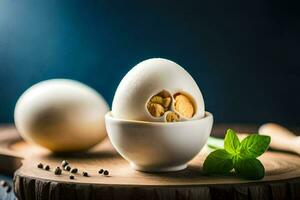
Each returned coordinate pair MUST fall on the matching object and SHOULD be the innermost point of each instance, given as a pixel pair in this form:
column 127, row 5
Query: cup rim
column 109, row 116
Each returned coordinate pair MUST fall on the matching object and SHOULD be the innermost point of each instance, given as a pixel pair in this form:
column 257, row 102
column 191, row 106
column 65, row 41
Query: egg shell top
column 149, row 78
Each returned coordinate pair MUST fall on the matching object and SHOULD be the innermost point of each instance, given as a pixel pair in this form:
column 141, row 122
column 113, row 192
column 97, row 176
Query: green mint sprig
column 240, row 156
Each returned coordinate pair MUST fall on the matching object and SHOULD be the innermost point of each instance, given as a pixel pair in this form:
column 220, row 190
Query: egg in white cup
column 158, row 120
column 158, row 146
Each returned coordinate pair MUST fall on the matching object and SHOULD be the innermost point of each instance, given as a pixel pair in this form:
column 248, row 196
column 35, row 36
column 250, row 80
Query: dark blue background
column 243, row 54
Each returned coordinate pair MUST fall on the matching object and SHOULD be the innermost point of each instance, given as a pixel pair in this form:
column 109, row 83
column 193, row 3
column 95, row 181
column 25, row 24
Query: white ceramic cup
column 158, row 146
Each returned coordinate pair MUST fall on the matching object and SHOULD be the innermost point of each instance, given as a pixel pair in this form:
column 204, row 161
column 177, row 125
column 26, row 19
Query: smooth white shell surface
column 61, row 115
column 147, row 79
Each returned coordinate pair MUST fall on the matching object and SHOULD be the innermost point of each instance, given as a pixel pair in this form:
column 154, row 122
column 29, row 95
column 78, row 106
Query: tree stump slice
column 282, row 180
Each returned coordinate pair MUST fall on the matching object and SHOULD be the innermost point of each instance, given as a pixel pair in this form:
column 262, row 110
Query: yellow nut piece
column 172, row 117
column 166, row 103
column 157, row 99
column 164, row 94
column 159, row 104
column 156, row 110
column 184, row 105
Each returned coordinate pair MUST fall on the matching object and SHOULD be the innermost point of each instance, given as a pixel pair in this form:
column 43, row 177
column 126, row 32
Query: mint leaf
column 240, row 156
column 218, row 162
column 231, row 142
column 254, row 145
column 213, row 147
column 215, row 143
column 250, row 168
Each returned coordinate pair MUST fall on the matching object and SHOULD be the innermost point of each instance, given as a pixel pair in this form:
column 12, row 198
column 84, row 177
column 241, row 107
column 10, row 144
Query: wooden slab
column 282, row 180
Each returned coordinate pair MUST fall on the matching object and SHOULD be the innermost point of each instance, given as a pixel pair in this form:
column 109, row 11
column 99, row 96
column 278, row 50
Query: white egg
column 147, row 79
column 61, row 115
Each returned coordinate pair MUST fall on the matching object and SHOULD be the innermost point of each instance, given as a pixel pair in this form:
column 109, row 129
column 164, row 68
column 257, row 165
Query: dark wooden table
column 29, row 186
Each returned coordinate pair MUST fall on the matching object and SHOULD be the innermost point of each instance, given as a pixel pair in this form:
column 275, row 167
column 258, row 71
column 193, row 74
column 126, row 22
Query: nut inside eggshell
column 183, row 104
column 169, row 108
column 172, row 117
column 159, row 104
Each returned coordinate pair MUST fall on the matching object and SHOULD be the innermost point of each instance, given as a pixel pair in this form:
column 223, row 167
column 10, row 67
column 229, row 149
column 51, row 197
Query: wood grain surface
column 282, row 180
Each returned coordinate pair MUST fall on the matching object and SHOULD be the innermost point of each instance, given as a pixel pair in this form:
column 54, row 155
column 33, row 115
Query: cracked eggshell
column 147, row 79
column 61, row 115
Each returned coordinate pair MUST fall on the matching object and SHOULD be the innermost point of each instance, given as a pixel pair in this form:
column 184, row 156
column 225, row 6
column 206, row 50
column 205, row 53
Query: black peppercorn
column 74, row 170
column 8, row 189
column 57, row 171
column 64, row 163
column 47, row 167
column 3, row 183
column 100, row 171
column 67, row 168
column 105, row 172
column 85, row 174
column 72, row 177
column 40, row 165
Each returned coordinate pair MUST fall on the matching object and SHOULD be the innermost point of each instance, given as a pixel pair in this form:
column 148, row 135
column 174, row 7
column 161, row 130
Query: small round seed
column 8, row 189
column 85, row 174
column 64, row 163
column 72, row 177
column 74, row 170
column 105, row 172
column 101, row 171
column 3, row 183
column 40, row 165
column 57, row 171
column 47, row 167
column 67, row 168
